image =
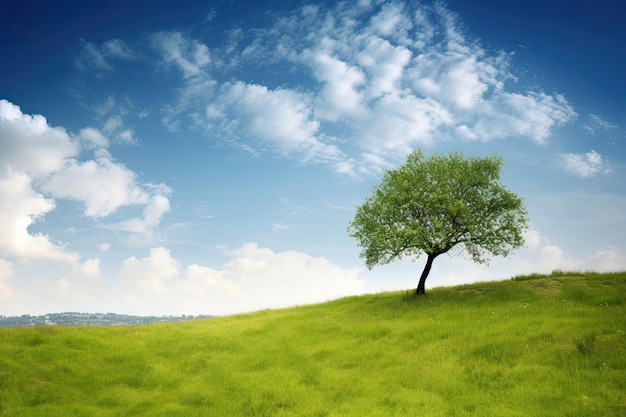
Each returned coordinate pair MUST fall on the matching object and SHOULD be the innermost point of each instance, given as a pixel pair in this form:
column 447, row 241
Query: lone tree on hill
column 430, row 205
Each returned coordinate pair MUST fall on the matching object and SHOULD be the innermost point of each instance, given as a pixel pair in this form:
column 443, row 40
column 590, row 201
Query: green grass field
column 532, row 346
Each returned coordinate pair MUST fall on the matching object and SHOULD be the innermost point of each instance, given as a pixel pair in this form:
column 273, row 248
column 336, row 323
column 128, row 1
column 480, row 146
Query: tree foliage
column 430, row 205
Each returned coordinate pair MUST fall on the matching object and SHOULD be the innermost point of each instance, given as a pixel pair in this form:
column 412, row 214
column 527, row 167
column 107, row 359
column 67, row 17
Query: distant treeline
column 88, row 319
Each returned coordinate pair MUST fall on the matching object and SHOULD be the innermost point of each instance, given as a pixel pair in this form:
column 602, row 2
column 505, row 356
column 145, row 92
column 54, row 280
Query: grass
column 531, row 346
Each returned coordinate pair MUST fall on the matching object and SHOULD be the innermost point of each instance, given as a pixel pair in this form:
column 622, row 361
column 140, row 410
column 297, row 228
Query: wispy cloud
column 584, row 165
column 191, row 57
column 379, row 80
column 596, row 124
column 99, row 58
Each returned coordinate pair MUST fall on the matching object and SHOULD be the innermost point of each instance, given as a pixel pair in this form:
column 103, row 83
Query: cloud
column 543, row 257
column 533, row 115
column 30, row 145
column 584, row 165
column 191, row 57
column 91, row 268
column 597, row 124
column 553, row 258
column 6, row 272
column 280, row 119
column 92, row 138
column 279, row 227
column 253, row 278
column 102, row 184
column 378, row 79
column 540, row 256
column 113, row 126
column 457, row 83
column 98, row 58
column 40, row 163
column 29, row 149
column 153, row 274
column 157, row 205
column 21, row 207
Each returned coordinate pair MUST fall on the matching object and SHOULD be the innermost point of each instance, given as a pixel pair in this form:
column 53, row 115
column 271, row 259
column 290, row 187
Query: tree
column 431, row 205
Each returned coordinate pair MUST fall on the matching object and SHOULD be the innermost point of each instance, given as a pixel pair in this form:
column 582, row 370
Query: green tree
column 430, row 205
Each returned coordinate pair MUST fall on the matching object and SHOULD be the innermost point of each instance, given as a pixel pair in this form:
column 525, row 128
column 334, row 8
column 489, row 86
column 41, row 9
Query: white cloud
column 98, row 58
column 39, row 163
column 340, row 95
column 91, row 268
column 398, row 124
column 532, row 115
column 6, row 272
column 117, row 48
column 102, row 184
column 28, row 144
column 189, row 56
column 280, row 119
column 541, row 256
column 153, row 274
column 391, row 20
column 112, row 124
column 154, row 210
column 254, row 278
column 553, row 258
column 385, row 63
column 584, row 165
column 597, row 124
column 92, row 138
column 391, row 91
column 279, row 227
column 382, row 79
column 20, row 207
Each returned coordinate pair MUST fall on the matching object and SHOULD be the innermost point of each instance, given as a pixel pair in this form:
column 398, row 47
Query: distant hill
column 88, row 319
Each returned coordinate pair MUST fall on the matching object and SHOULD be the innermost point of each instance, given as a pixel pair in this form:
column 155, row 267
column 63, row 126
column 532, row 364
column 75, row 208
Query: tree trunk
column 421, row 287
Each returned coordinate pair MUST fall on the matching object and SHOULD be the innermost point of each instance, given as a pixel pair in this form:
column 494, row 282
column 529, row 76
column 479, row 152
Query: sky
column 206, row 157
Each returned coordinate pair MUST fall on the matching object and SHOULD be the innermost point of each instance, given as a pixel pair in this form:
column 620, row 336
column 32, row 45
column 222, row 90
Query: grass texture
column 531, row 346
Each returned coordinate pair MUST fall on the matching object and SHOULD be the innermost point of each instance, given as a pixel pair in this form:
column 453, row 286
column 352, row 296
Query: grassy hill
column 531, row 346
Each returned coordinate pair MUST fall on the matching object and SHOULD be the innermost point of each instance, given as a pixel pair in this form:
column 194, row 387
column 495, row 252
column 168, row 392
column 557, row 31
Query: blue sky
column 205, row 157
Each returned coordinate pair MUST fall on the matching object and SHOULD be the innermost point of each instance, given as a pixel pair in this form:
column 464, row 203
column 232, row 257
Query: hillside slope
column 536, row 346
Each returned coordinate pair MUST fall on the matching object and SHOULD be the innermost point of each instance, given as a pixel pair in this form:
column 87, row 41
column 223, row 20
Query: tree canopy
column 430, row 205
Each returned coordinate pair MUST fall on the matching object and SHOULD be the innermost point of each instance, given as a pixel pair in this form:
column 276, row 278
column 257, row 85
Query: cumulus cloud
column 30, row 145
column 584, row 165
column 156, row 205
column 20, row 207
column 40, row 163
column 102, row 184
column 253, row 278
column 153, row 274
column 384, row 77
column 280, row 119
